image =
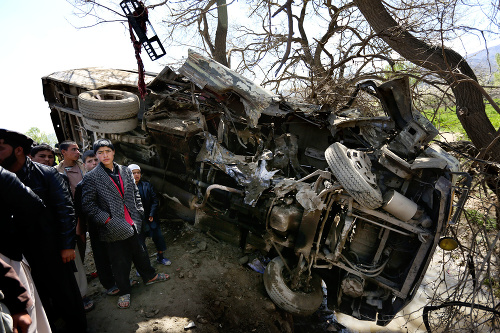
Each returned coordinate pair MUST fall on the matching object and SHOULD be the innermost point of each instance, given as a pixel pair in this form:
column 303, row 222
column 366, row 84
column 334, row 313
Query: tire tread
column 297, row 303
column 350, row 179
column 117, row 109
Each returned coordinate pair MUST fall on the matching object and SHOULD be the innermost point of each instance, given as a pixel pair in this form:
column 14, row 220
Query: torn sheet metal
column 299, row 106
column 254, row 176
column 309, row 199
column 306, row 196
column 259, row 180
column 372, row 129
column 284, row 186
column 450, row 161
column 285, row 152
column 209, row 74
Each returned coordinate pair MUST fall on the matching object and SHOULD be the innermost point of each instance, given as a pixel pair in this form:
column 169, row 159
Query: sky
column 40, row 38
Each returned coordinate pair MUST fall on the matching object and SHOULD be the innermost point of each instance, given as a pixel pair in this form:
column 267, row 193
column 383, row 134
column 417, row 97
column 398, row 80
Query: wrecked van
column 359, row 203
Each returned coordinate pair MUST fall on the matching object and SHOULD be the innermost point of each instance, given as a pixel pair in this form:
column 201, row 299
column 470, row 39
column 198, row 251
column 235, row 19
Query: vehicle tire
column 352, row 169
column 108, row 104
column 295, row 302
column 107, row 126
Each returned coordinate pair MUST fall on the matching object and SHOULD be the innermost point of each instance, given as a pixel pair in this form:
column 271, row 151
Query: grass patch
column 479, row 219
column 494, row 284
column 446, row 119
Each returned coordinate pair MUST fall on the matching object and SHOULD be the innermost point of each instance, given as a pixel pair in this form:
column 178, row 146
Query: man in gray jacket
column 111, row 200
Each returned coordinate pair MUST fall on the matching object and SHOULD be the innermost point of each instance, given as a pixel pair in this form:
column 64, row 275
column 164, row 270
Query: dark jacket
column 16, row 297
column 101, row 200
column 148, row 198
column 58, row 222
column 19, row 209
column 78, row 199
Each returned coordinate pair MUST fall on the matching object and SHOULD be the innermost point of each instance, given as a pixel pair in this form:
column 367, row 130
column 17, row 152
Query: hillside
column 483, row 62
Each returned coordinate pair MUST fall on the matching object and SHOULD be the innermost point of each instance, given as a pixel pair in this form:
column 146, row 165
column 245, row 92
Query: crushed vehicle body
column 357, row 202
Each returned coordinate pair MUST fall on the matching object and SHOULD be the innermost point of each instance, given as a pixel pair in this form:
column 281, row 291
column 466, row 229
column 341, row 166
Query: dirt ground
column 208, row 288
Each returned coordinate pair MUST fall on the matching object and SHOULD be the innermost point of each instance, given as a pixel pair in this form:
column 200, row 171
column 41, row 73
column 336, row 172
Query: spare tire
column 352, row 169
column 114, row 126
column 296, row 302
column 108, row 104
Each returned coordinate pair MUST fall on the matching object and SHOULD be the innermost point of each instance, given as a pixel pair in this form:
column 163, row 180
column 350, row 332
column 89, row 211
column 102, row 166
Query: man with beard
column 48, row 244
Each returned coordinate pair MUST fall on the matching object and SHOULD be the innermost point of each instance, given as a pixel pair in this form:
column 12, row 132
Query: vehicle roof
column 98, row 78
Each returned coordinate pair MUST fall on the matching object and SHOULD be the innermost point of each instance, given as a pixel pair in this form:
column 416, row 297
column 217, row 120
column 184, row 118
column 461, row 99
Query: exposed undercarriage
column 358, row 202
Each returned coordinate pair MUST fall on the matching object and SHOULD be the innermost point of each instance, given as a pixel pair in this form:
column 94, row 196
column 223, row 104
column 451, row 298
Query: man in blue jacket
column 150, row 227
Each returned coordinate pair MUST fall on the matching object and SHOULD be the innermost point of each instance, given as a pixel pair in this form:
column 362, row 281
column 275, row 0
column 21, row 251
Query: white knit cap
column 133, row 167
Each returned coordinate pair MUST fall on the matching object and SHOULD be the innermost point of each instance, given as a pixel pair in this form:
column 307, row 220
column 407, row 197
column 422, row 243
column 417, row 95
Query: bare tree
column 319, row 49
column 201, row 24
column 446, row 63
column 348, row 42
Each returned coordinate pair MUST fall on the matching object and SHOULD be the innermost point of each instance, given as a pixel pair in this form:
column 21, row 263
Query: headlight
column 448, row 243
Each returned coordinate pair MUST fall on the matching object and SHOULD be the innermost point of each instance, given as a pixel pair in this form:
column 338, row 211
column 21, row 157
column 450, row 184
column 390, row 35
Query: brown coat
column 74, row 176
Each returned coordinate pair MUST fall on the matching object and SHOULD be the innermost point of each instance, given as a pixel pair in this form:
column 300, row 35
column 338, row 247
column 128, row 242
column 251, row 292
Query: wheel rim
column 362, row 163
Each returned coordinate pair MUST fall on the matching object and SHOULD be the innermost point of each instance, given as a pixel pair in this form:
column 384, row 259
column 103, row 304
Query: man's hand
column 150, row 219
column 68, row 255
column 22, row 321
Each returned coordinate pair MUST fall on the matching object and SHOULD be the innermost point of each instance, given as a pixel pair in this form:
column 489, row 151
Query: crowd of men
column 45, row 214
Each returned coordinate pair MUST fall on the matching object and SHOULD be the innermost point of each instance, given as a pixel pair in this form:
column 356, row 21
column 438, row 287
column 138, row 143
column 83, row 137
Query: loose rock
column 243, row 260
column 191, row 324
column 202, row 245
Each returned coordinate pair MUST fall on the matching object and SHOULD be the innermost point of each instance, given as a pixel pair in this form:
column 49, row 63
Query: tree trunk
column 221, row 34
column 446, row 63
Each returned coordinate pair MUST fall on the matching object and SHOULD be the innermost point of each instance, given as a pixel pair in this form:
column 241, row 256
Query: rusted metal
column 216, row 187
column 214, row 77
column 390, row 219
column 210, row 129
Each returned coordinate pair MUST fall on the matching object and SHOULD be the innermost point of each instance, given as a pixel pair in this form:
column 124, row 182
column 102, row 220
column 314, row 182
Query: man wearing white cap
column 150, row 227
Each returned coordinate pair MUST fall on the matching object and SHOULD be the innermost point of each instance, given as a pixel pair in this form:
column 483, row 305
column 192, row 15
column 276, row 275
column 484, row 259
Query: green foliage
column 494, row 284
column 496, row 76
column 446, row 119
column 479, row 219
column 400, row 68
column 41, row 137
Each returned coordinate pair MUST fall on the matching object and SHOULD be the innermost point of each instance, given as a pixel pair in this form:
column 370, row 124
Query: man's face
column 44, row 157
column 137, row 175
column 105, row 155
column 72, row 153
column 7, row 155
column 91, row 162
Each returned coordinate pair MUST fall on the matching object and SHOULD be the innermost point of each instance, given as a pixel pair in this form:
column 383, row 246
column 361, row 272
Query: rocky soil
column 211, row 289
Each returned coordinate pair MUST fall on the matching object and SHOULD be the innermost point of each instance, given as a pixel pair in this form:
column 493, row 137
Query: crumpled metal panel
column 254, row 176
column 211, row 75
column 309, row 199
column 299, row 106
column 190, row 124
column 98, row 78
column 306, row 196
